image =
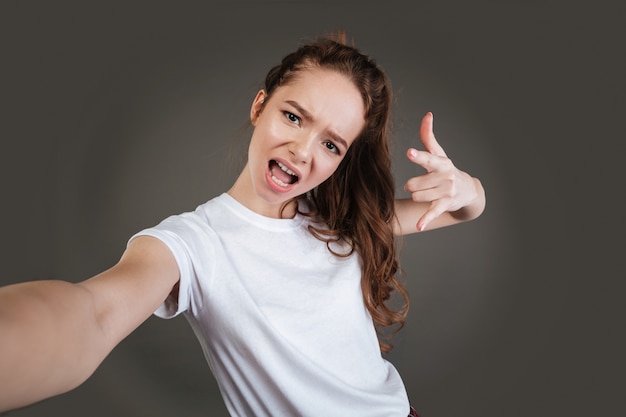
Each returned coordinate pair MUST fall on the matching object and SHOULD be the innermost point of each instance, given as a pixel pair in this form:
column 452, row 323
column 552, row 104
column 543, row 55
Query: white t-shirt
column 281, row 320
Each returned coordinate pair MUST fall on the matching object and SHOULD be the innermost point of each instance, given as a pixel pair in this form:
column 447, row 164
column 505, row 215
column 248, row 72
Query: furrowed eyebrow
column 308, row 116
column 305, row 114
column 338, row 138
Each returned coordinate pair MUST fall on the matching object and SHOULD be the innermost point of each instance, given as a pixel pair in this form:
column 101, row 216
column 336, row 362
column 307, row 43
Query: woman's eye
column 331, row 147
column 292, row 117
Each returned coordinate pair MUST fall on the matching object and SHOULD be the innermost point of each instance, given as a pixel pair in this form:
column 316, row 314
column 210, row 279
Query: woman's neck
column 243, row 191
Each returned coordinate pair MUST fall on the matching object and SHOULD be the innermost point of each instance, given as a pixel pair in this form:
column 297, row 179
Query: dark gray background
column 114, row 115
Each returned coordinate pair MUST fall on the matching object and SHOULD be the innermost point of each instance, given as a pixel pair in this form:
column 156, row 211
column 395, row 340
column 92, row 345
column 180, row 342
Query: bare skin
column 55, row 333
column 307, row 126
column 443, row 196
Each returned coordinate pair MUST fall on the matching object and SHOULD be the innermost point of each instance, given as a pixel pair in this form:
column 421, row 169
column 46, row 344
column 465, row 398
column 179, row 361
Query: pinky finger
column 431, row 214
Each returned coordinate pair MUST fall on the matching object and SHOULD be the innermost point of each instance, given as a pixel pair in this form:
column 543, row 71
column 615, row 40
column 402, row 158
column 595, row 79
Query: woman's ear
column 257, row 106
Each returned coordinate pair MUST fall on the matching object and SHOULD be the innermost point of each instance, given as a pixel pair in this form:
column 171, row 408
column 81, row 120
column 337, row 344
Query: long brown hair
column 356, row 204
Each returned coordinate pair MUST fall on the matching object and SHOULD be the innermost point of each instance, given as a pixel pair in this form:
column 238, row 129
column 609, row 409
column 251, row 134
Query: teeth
column 286, row 169
column 279, row 182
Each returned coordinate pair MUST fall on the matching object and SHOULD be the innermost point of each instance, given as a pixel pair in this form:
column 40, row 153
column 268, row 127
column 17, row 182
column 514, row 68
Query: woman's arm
column 443, row 196
column 54, row 334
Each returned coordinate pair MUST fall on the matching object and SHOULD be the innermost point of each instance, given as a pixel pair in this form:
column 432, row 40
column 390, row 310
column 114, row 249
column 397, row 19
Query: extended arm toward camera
column 54, row 334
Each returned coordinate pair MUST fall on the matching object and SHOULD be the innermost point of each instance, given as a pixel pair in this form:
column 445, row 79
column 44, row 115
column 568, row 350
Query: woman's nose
column 301, row 149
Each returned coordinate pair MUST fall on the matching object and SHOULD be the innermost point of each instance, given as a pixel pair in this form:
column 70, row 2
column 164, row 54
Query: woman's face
column 301, row 134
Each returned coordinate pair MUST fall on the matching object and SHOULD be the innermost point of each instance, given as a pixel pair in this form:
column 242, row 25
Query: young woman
column 285, row 278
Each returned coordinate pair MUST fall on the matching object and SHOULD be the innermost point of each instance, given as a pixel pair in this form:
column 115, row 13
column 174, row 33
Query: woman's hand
column 443, row 188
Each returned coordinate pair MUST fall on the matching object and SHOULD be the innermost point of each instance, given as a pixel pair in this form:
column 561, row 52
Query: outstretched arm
column 54, row 334
column 443, row 196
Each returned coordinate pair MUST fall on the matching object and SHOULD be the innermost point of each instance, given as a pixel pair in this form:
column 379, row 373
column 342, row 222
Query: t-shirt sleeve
column 188, row 238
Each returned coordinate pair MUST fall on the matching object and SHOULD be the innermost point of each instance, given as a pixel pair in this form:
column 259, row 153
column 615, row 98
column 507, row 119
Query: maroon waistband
column 413, row 413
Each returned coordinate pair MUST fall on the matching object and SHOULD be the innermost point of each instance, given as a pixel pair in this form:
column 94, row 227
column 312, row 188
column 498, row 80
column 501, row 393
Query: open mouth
column 281, row 174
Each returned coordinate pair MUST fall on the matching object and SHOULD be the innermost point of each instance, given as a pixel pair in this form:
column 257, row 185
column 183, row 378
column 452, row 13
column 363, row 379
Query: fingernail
column 413, row 153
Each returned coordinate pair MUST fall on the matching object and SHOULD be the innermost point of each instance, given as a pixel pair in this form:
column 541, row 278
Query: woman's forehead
column 323, row 85
column 327, row 96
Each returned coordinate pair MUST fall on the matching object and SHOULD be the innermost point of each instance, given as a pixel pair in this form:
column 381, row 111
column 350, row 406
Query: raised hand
column 444, row 188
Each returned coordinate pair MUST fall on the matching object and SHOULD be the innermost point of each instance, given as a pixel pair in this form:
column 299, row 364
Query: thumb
column 427, row 136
